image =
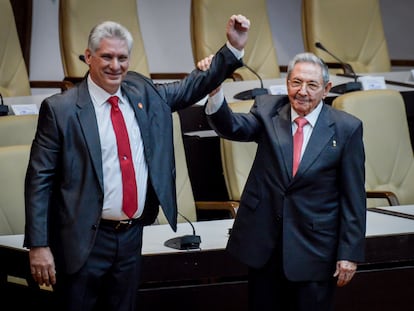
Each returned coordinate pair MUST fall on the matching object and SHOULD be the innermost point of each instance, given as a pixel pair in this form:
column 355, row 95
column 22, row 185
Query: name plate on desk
column 278, row 89
column 372, row 82
column 19, row 110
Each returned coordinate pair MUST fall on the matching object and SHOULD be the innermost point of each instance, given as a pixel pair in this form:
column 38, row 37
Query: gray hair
column 309, row 58
column 108, row 29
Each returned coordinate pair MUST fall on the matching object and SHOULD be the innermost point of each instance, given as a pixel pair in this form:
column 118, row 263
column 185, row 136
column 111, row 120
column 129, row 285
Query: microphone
column 251, row 94
column 76, row 80
column 348, row 70
column 4, row 109
column 186, row 241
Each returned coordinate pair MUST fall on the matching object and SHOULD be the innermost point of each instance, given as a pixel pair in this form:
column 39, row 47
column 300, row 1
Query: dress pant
column 269, row 289
column 110, row 278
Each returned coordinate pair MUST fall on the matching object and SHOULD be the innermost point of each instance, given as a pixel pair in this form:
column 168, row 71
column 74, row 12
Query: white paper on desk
column 25, row 109
column 278, row 89
column 372, row 82
column 411, row 77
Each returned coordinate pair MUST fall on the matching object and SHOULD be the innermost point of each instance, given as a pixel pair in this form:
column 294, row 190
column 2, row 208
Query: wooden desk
column 209, row 279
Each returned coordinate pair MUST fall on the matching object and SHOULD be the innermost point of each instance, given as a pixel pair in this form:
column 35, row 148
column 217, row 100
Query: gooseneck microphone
column 186, row 241
column 251, row 94
column 348, row 70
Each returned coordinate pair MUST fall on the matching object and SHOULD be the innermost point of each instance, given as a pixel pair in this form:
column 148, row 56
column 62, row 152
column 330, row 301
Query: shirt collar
column 311, row 117
column 99, row 95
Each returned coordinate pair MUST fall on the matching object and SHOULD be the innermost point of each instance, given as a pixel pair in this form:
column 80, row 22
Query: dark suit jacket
column 318, row 215
column 64, row 181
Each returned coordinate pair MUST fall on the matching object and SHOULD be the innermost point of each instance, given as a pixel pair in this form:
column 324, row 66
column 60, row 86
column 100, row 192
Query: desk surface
column 214, row 234
column 403, row 209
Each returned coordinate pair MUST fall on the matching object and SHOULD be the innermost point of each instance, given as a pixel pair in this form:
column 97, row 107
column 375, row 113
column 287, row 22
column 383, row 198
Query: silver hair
column 309, row 58
column 109, row 29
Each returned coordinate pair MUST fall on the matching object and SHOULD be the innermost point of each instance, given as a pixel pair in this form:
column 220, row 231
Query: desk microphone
column 251, row 94
column 348, row 70
column 4, row 109
column 186, row 241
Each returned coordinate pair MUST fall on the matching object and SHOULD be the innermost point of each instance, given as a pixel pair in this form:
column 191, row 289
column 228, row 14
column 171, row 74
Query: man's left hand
column 345, row 271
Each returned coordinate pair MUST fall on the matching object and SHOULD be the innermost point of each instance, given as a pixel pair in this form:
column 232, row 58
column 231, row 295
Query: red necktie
column 298, row 142
column 129, row 184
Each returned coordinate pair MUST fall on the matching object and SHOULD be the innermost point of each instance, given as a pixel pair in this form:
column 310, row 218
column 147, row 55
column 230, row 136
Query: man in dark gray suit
column 80, row 239
column 299, row 232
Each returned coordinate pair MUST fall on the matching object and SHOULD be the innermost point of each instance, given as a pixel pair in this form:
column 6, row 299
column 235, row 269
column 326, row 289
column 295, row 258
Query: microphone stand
column 348, row 71
column 185, row 242
column 251, row 94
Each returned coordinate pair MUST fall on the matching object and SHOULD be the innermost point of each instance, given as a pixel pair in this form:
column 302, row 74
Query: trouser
column 109, row 280
column 269, row 289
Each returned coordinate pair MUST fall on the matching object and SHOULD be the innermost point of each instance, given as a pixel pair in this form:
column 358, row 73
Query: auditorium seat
column 13, row 165
column 14, row 77
column 208, row 19
column 389, row 155
column 352, row 30
column 78, row 17
column 237, row 157
column 17, row 130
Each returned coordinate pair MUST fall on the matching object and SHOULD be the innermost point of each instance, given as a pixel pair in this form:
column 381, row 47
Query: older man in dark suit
column 300, row 226
column 101, row 163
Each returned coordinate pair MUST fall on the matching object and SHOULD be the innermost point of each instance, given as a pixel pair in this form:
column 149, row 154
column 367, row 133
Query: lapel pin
column 140, row 105
column 334, row 143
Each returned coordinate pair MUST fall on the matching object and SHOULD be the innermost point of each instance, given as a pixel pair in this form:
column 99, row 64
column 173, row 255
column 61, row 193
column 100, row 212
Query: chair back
column 14, row 79
column 17, row 130
column 389, row 161
column 185, row 197
column 208, row 19
column 78, row 17
column 13, row 165
column 352, row 30
column 237, row 157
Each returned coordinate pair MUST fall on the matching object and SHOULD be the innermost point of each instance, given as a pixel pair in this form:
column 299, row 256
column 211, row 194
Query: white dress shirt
column 112, row 179
column 308, row 127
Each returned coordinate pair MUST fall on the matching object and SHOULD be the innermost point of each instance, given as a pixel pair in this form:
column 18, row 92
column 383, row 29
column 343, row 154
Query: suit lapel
column 321, row 135
column 283, row 136
column 141, row 113
column 87, row 120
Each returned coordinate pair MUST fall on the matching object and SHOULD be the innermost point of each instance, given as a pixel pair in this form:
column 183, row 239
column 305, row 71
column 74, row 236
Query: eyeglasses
column 310, row 86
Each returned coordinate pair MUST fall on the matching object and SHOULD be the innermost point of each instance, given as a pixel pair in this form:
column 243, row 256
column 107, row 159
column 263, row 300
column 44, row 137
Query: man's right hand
column 237, row 31
column 42, row 265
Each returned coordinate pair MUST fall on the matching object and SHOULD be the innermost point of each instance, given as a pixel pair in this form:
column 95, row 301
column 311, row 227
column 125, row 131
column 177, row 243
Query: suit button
column 278, row 218
column 94, row 227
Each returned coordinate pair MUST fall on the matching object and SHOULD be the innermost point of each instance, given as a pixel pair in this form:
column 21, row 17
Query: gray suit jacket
column 64, row 181
column 318, row 215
